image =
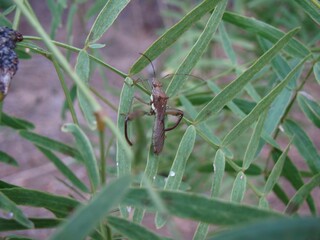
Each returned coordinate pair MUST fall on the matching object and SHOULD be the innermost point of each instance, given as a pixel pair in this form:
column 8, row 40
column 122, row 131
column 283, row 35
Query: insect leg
column 130, row 117
column 174, row 112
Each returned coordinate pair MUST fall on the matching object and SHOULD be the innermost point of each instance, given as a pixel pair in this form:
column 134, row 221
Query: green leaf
column 253, row 170
column 299, row 197
column 267, row 31
column 197, row 50
column 5, row 158
column 232, row 90
column 51, row 144
column 65, row 170
column 131, row 230
column 9, row 206
column 87, row 217
column 39, row 223
column 276, row 171
column 96, row 45
column 292, row 174
column 122, row 158
column 60, row 206
column 303, row 144
column 150, row 174
column 174, row 33
column 83, row 71
column 253, row 145
column 105, row 19
column 197, row 207
column 15, row 123
column 178, row 166
column 239, row 188
column 86, row 151
column 310, row 108
column 311, row 9
column 227, row 45
column 316, row 71
column 218, row 168
column 218, row 172
column 260, row 107
column 293, row 229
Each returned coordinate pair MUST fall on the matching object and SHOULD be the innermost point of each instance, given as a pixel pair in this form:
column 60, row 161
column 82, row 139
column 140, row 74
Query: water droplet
column 117, row 164
column 241, row 177
column 129, row 208
column 172, row 174
column 281, row 128
column 9, row 215
column 154, row 178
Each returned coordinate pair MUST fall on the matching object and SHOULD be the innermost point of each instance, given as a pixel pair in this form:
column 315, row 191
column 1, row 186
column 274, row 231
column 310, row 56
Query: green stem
column 75, row 49
column 102, row 157
column 106, row 101
column 66, row 91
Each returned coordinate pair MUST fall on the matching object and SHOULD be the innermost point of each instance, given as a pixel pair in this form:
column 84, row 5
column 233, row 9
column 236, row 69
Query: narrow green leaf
column 150, row 174
column 83, row 71
column 6, row 158
column 303, row 144
column 197, row 207
column 170, row 36
column 253, row 145
column 9, row 206
column 87, row 217
column 178, row 166
column 232, row 90
column 17, row 237
column 39, row 223
column 267, row 31
column 316, row 71
column 293, row 229
column 253, row 170
column 276, row 171
column 131, row 230
column 311, row 9
column 292, row 174
column 260, row 107
column 59, row 205
column 239, row 188
column 202, row 129
column 179, row 163
column 105, row 19
column 263, row 203
column 15, row 123
column 227, row 45
column 218, row 172
column 122, row 159
column 86, row 151
column 50, row 144
column 96, row 45
column 197, row 50
column 65, row 170
column 298, row 198
column 310, row 108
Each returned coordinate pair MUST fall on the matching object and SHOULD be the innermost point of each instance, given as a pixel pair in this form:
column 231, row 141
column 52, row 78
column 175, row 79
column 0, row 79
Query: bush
column 240, row 82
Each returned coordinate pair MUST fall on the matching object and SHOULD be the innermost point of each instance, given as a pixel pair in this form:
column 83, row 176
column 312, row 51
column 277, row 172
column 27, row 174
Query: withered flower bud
column 8, row 58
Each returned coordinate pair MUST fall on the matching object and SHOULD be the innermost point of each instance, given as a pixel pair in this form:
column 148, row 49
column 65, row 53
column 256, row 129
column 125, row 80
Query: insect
column 159, row 108
column 8, row 58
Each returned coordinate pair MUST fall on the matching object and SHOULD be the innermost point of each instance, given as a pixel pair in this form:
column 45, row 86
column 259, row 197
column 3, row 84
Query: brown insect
column 159, row 108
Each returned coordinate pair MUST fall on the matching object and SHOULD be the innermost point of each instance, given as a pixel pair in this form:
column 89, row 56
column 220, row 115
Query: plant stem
column 66, row 91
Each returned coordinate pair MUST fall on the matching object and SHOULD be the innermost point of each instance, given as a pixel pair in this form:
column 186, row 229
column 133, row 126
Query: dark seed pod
column 8, row 58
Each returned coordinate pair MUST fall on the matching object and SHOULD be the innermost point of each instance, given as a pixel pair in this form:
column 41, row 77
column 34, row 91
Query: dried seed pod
column 8, row 58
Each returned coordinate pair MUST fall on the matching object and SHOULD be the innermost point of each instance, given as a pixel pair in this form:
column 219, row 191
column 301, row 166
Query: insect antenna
column 153, row 68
